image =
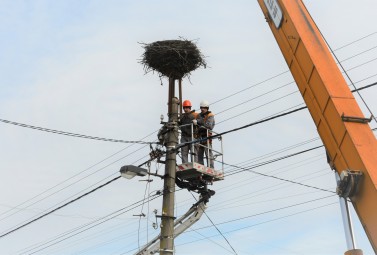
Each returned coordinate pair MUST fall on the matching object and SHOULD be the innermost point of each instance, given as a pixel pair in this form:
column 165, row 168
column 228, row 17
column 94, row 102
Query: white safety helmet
column 204, row 103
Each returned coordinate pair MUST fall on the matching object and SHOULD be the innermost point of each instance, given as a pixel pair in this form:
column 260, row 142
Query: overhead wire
column 63, row 188
column 217, row 229
column 87, row 226
column 75, row 175
column 253, row 98
column 59, row 132
column 355, row 41
column 249, row 169
column 50, row 208
column 264, row 222
column 266, row 212
column 60, row 207
column 285, row 72
column 274, row 116
column 358, row 54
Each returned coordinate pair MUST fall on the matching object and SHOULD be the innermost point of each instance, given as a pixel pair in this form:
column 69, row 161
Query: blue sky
column 74, row 66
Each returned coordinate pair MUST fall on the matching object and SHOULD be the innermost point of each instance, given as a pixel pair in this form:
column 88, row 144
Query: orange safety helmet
column 186, row 103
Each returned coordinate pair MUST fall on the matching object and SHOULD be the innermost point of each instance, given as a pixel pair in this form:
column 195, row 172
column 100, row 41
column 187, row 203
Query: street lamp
column 130, row 171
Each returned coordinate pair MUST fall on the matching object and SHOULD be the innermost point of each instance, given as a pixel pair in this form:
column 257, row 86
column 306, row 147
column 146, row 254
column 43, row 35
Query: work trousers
column 206, row 149
column 185, row 149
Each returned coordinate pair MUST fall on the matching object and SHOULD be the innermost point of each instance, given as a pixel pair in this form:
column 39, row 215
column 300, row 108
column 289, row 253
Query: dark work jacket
column 187, row 118
column 205, row 121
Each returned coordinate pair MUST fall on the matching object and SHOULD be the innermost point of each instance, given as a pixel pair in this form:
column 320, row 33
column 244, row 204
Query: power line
column 268, row 221
column 279, row 115
column 60, row 207
column 266, row 212
column 275, row 76
column 218, row 230
column 254, row 123
column 63, row 188
column 252, row 86
column 71, row 134
column 257, row 107
column 88, row 226
column 362, row 38
column 71, row 201
column 77, row 192
column 358, row 54
column 248, row 169
column 259, row 122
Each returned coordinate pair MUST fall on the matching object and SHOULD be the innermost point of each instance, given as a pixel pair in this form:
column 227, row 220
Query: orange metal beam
column 350, row 145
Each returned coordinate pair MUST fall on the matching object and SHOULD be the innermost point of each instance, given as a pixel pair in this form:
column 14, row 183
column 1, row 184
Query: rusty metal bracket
column 356, row 119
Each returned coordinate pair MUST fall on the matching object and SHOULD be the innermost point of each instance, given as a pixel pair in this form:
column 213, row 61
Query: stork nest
column 172, row 58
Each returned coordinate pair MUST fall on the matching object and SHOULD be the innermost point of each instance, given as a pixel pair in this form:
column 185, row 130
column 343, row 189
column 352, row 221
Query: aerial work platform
column 193, row 170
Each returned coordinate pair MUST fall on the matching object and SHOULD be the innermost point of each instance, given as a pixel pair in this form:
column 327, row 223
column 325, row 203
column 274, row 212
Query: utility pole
column 167, row 217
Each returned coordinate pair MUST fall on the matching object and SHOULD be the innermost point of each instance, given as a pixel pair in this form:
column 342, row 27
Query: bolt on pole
column 167, row 219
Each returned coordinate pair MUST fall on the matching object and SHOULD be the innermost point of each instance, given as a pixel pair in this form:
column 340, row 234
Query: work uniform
column 186, row 127
column 206, row 122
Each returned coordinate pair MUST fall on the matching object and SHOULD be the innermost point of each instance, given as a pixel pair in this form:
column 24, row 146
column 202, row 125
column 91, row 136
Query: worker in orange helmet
column 187, row 129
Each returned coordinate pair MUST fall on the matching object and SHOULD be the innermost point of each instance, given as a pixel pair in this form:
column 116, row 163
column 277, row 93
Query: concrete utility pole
column 167, row 217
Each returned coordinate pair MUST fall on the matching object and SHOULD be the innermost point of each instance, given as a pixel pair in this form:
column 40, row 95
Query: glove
column 195, row 122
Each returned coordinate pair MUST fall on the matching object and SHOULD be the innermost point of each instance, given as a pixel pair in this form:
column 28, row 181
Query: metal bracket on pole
column 356, row 119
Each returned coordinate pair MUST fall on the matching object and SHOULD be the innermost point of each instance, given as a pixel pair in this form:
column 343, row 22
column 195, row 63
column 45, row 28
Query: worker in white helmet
column 206, row 122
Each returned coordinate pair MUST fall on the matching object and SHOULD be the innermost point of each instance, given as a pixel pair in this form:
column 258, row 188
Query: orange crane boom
column 345, row 133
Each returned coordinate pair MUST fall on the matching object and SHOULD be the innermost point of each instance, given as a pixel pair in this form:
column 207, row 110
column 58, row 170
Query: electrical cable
column 91, row 224
column 273, row 90
column 254, row 123
column 264, row 120
column 141, row 212
column 358, row 54
column 90, row 227
column 268, row 79
column 252, row 86
column 64, row 205
column 253, row 98
column 84, row 189
column 60, row 207
column 357, row 40
column 284, row 97
column 243, row 169
column 30, row 199
column 218, row 230
column 72, row 134
column 257, row 107
column 63, row 188
column 266, row 212
column 264, row 222
column 278, row 178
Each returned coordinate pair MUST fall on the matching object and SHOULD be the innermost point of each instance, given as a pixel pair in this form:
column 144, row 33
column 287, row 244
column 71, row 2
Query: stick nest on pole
column 172, row 58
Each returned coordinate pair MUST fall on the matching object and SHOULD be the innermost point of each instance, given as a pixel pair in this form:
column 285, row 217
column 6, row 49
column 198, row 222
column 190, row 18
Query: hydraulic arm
column 180, row 225
column 350, row 143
